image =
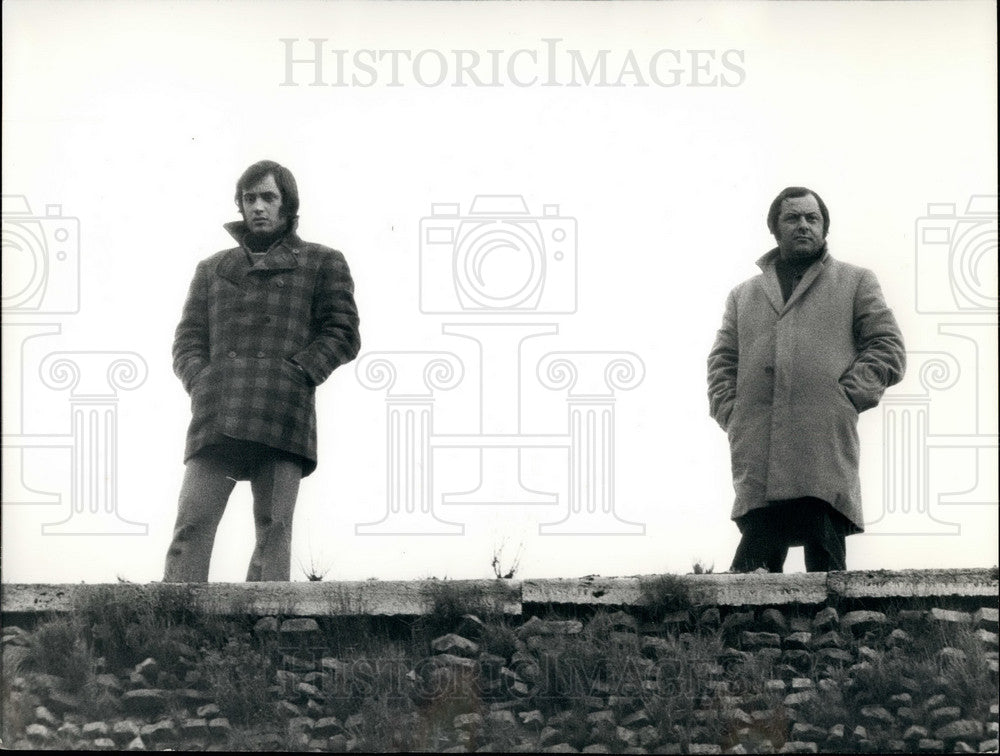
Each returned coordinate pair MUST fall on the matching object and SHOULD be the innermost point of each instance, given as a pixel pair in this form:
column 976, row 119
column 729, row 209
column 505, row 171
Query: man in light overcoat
column 804, row 347
column 264, row 324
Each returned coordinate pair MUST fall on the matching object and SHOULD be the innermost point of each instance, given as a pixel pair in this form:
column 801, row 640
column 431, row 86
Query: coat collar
column 773, row 289
column 282, row 255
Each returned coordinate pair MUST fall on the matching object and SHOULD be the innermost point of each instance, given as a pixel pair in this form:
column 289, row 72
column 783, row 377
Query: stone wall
column 678, row 667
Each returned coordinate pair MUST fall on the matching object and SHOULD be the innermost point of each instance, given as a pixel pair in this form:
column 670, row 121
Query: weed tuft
column 238, row 676
column 664, row 594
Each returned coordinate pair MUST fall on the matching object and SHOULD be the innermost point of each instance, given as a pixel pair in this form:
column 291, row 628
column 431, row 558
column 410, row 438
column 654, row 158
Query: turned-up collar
column 282, row 255
column 772, row 287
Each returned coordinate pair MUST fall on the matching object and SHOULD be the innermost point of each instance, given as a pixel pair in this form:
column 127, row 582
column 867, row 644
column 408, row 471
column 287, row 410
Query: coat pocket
column 298, row 374
column 842, row 392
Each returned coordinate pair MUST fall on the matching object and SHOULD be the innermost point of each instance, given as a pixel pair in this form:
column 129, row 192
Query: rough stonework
column 665, row 672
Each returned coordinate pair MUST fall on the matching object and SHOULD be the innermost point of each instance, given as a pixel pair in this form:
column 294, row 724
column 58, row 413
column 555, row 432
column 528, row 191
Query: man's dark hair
column 792, row 192
column 282, row 177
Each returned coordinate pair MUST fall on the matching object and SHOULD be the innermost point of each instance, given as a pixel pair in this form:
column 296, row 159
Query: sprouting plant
column 700, row 567
column 316, row 570
column 497, row 563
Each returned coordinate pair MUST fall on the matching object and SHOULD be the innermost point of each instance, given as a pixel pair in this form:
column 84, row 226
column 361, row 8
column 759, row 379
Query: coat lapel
column 773, row 288
column 811, row 274
column 234, row 266
column 770, row 280
column 282, row 256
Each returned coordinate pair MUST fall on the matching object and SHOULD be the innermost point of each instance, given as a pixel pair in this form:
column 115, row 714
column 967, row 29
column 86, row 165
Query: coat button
column 279, row 282
column 232, row 354
column 260, row 354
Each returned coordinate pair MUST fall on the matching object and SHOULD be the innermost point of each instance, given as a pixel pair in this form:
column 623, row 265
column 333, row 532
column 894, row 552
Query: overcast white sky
column 136, row 119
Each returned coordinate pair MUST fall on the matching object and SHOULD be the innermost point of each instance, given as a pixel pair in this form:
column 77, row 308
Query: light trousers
column 208, row 482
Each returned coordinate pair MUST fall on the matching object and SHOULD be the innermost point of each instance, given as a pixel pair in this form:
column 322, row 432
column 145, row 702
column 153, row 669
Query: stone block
column 962, row 729
column 987, row 618
column 38, row 732
column 988, row 638
column 196, row 727
column 296, row 626
column 877, row 715
column 158, row 733
column 950, row 617
column 836, row 656
column 796, row 746
column 797, row 641
column 773, row 620
column 752, row 641
column 807, row 732
column 453, row 643
column 144, row 701
column 829, row 639
column 535, row 626
column 826, row 619
column 97, row 729
column 942, row 716
column 46, row 717
column 68, row 730
column 863, row 621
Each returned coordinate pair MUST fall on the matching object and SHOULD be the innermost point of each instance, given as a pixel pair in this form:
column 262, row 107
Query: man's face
column 800, row 227
column 261, row 205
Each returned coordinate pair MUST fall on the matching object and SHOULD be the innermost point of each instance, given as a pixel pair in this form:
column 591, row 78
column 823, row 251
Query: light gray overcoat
column 787, row 381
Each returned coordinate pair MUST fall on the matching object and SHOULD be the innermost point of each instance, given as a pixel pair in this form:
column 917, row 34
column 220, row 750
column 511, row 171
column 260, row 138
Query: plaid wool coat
column 247, row 329
column 787, row 380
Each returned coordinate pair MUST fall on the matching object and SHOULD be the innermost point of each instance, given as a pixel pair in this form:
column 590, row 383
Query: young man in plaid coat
column 264, row 324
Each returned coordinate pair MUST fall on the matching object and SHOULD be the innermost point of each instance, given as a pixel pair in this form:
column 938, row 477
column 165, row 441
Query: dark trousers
column 208, row 481
column 812, row 523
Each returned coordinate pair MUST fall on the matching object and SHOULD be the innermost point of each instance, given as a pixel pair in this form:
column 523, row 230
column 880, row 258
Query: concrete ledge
column 388, row 598
column 318, row 599
column 913, row 583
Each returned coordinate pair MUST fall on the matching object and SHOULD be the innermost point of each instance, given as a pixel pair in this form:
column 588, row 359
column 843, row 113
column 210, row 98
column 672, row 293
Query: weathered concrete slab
column 758, row 589
column 592, row 589
column 913, row 583
column 722, row 589
column 412, row 598
column 370, row 597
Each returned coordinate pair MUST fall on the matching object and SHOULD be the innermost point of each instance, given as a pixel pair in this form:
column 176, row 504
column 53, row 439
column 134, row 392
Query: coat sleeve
column 191, row 346
column 723, row 362
column 881, row 356
column 335, row 320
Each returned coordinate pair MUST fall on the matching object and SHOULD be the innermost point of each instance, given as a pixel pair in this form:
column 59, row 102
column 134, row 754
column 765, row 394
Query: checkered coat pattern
column 255, row 339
